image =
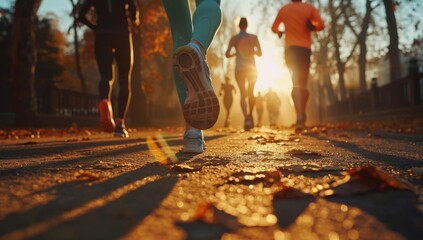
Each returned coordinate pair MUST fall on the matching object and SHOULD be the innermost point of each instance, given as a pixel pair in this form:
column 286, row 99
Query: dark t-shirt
column 111, row 15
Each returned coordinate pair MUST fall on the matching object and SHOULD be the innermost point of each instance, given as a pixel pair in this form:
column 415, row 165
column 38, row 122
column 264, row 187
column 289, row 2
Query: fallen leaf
column 372, row 135
column 363, row 180
column 28, row 143
column 184, row 168
column 248, row 178
column 86, row 175
column 417, row 170
column 303, row 154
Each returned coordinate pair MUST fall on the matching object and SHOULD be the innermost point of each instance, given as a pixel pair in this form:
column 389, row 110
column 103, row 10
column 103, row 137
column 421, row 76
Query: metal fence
column 402, row 93
column 67, row 103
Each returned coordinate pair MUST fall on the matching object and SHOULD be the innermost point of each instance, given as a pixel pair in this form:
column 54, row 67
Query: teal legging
column 207, row 18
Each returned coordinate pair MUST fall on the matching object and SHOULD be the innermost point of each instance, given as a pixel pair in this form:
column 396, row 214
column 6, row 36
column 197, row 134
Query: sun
column 272, row 74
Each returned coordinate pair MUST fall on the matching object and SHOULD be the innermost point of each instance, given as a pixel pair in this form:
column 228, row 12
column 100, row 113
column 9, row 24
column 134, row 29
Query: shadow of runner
column 70, row 196
column 201, row 230
column 396, row 161
column 117, row 218
column 72, row 161
column 62, row 147
column 288, row 210
column 396, row 209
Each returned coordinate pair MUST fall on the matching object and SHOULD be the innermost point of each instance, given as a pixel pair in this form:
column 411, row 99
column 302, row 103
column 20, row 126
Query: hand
column 310, row 25
column 280, row 34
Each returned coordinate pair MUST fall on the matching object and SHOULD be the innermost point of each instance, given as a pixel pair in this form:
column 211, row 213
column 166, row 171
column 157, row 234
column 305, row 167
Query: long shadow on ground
column 396, row 209
column 117, row 218
column 86, row 159
column 73, row 195
column 387, row 159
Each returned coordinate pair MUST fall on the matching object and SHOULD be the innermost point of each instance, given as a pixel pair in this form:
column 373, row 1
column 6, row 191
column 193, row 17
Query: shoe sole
column 107, row 124
column 121, row 135
column 201, row 108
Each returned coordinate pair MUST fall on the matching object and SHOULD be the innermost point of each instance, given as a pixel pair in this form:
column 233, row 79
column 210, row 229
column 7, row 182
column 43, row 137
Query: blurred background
column 367, row 62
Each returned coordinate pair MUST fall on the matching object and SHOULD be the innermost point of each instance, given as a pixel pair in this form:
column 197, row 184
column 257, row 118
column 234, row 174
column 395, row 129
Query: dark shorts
column 298, row 61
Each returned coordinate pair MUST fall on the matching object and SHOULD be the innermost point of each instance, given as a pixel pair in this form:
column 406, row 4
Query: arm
column 317, row 21
column 133, row 11
column 83, row 12
column 276, row 23
column 258, row 48
column 230, row 46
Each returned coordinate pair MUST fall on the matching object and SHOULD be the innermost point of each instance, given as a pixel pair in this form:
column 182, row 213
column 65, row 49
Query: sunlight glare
column 272, row 74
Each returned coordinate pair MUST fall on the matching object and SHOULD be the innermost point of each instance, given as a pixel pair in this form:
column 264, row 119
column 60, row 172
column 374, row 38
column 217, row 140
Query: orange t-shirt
column 294, row 16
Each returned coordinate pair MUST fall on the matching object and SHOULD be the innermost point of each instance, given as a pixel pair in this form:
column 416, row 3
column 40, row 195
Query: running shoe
column 120, row 130
column 106, row 116
column 201, row 107
column 248, row 123
column 193, row 141
column 300, row 124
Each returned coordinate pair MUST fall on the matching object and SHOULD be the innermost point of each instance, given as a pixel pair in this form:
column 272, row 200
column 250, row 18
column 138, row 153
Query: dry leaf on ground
column 363, row 180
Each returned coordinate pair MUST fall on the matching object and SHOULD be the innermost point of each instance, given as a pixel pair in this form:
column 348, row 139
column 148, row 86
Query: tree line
column 35, row 54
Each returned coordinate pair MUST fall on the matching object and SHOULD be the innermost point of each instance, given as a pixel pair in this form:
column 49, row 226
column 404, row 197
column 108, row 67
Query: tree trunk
column 394, row 54
column 339, row 64
column 362, row 58
column 24, row 58
column 76, row 46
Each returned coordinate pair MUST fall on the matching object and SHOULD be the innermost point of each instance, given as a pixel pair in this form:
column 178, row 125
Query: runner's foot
column 106, row 116
column 201, row 108
column 193, row 141
column 120, row 129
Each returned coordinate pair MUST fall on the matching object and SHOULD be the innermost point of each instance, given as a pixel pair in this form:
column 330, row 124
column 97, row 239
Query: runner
column 300, row 19
column 246, row 47
column 113, row 40
column 259, row 108
column 227, row 89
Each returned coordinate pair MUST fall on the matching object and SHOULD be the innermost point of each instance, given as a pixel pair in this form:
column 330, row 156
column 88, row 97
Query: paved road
column 265, row 184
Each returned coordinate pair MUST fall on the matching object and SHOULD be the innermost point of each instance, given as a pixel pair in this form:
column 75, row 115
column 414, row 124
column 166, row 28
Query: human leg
column 207, row 18
column 201, row 107
column 228, row 104
column 124, row 62
column 104, row 56
column 179, row 15
column 252, row 78
column 298, row 61
column 240, row 80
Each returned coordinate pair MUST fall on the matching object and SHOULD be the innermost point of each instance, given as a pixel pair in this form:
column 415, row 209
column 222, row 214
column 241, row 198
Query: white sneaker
column 193, row 141
column 201, row 107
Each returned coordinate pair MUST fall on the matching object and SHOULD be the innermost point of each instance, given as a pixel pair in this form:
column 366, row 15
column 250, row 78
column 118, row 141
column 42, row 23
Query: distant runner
column 246, row 47
column 300, row 19
column 227, row 89
column 113, row 40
